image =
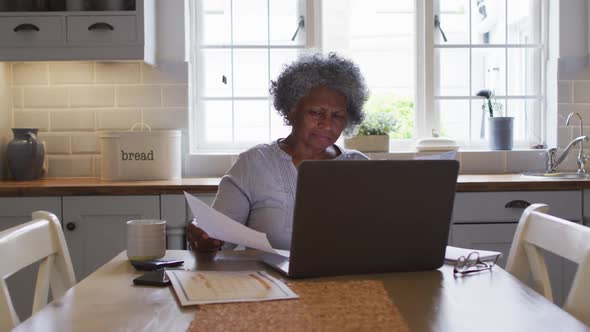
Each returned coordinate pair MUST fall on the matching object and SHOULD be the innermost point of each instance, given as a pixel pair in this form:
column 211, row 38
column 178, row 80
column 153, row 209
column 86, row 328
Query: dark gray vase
column 501, row 133
column 25, row 154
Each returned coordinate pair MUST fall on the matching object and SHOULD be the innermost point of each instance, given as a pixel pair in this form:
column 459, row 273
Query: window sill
column 472, row 161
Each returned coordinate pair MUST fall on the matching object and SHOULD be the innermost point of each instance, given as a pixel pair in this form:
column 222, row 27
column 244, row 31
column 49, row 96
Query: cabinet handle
column 71, row 226
column 101, row 26
column 26, row 27
column 517, row 204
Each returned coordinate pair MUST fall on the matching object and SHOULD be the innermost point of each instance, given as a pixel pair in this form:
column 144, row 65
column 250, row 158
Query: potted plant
column 372, row 135
column 500, row 126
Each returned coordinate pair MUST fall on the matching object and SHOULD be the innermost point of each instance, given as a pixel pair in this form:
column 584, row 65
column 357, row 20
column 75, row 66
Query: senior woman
column 319, row 96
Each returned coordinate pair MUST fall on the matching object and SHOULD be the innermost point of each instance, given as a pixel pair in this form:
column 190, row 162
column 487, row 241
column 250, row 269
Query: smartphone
column 156, row 264
column 153, row 278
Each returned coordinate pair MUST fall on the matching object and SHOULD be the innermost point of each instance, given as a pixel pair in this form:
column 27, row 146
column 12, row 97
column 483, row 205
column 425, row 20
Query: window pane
column 479, row 122
column 454, row 119
column 454, row 21
column 284, row 21
column 280, row 58
column 214, row 77
column 250, row 73
column 524, row 71
column 517, row 109
column 278, row 128
column 250, row 22
column 251, row 118
column 217, row 118
column 524, row 22
column 489, row 70
column 402, row 107
column 488, row 21
column 379, row 36
column 527, row 127
column 215, row 27
column 453, row 66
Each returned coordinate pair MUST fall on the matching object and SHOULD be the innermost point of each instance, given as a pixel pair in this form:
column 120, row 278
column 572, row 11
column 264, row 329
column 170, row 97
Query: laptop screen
column 371, row 216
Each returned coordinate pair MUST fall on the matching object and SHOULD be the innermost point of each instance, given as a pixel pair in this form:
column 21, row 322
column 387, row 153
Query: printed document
column 452, row 254
column 219, row 226
column 203, row 287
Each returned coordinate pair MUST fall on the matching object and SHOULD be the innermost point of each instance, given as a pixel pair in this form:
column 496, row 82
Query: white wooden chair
column 39, row 240
column 537, row 229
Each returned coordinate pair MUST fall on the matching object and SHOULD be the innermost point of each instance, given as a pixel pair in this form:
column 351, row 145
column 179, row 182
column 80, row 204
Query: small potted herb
column 372, row 135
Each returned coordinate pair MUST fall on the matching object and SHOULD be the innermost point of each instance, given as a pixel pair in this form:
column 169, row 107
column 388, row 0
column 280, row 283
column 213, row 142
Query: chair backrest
column 537, row 229
column 39, row 240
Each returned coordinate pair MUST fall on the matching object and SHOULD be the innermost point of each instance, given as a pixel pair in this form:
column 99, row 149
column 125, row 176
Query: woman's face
column 320, row 118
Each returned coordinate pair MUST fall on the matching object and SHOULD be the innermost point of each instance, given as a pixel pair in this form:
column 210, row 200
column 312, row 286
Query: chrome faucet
column 550, row 162
column 581, row 158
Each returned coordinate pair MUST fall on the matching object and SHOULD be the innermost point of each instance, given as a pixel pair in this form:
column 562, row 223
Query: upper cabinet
column 46, row 30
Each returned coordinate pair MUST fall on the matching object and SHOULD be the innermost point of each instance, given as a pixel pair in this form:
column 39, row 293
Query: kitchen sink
column 558, row 175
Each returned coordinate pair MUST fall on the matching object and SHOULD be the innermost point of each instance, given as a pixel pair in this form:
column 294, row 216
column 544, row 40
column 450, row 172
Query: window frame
column 196, row 113
column 432, row 84
column 426, row 112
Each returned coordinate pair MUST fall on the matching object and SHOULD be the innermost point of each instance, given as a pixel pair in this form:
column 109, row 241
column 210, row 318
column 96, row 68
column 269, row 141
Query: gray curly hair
column 311, row 71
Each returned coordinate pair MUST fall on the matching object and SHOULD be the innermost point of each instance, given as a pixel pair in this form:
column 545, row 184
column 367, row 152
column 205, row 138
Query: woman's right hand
column 199, row 241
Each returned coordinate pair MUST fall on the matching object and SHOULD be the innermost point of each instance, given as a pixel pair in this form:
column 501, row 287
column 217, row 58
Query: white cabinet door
column 95, row 226
column 177, row 214
column 488, row 220
column 173, row 210
column 496, row 237
column 15, row 211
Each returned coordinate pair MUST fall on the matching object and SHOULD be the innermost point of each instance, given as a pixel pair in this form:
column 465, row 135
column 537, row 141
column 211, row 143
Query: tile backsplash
column 5, row 116
column 72, row 102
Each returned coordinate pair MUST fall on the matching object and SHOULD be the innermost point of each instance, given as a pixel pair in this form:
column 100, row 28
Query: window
column 428, row 83
column 380, row 36
column 487, row 44
column 239, row 46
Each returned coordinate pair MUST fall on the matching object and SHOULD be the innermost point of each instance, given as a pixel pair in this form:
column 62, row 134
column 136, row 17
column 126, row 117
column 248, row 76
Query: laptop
column 369, row 216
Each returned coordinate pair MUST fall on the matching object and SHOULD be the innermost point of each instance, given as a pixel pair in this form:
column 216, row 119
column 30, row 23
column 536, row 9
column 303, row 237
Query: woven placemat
column 322, row 306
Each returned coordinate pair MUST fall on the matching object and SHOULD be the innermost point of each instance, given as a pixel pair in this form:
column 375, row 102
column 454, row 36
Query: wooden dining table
column 435, row 300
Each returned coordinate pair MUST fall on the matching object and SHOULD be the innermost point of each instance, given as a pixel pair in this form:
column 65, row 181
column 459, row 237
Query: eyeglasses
column 472, row 264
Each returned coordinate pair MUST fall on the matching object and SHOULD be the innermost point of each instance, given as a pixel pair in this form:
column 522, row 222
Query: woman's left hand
column 199, row 241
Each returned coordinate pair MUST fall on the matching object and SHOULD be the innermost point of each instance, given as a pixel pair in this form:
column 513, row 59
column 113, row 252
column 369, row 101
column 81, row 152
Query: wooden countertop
column 95, row 186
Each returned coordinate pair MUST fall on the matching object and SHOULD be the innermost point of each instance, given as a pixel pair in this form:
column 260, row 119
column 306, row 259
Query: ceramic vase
column 25, row 154
column 501, row 133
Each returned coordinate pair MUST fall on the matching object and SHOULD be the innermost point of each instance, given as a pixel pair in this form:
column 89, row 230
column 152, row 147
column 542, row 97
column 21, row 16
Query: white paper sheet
column 219, row 226
column 203, row 287
column 452, row 254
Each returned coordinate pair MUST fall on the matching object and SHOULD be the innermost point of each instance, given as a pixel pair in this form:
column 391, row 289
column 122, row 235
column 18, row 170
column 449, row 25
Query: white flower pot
column 375, row 143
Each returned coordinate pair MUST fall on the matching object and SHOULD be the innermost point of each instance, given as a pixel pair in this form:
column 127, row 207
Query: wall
column 573, row 86
column 5, row 115
column 71, row 102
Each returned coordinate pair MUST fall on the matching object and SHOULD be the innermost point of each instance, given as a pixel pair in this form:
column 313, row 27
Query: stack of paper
column 221, row 227
column 202, row 287
column 452, row 254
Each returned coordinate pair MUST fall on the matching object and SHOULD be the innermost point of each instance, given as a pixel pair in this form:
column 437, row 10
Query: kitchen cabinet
column 15, row 211
column 75, row 35
column 488, row 220
column 94, row 226
column 177, row 214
